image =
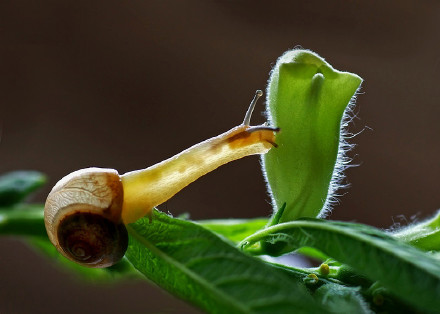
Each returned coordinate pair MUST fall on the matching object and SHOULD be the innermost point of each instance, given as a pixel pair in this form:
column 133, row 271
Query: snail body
column 86, row 211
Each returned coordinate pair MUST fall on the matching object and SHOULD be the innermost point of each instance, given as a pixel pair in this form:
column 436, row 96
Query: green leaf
column 307, row 99
column 408, row 273
column 424, row 235
column 16, row 185
column 234, row 229
column 196, row 265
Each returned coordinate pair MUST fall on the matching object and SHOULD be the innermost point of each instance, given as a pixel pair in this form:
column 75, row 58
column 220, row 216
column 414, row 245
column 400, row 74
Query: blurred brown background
column 128, row 84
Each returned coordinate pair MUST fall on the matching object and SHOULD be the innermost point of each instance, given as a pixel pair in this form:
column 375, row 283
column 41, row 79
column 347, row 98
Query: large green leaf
column 196, row 265
column 408, row 273
column 307, row 99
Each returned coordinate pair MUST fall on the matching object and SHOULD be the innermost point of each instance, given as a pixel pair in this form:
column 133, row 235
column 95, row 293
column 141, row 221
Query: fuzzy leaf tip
column 309, row 100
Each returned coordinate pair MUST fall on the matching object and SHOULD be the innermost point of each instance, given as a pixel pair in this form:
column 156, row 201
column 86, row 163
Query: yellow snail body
column 86, row 211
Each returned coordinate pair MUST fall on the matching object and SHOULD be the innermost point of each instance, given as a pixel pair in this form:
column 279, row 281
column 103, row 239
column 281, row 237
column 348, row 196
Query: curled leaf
column 307, row 98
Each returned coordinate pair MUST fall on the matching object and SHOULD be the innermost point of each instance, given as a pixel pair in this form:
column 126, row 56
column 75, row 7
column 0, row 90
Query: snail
column 86, row 212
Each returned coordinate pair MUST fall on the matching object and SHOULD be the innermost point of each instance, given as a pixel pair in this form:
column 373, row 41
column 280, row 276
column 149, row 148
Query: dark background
column 128, row 84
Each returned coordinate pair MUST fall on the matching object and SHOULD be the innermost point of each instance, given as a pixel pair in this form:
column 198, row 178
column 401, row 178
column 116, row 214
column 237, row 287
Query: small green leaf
column 234, row 229
column 196, row 265
column 424, row 235
column 307, row 99
column 16, row 185
column 408, row 273
column 340, row 299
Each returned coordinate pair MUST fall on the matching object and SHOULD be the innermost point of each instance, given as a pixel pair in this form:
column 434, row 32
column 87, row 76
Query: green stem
column 23, row 220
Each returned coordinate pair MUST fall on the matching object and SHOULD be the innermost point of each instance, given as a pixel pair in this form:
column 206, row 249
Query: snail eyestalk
column 147, row 188
column 247, row 117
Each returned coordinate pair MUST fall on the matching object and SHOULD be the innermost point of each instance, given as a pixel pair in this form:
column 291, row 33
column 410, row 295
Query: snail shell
column 83, row 217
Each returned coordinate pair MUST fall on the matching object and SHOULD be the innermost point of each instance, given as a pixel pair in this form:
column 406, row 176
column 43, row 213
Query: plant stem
column 23, row 220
